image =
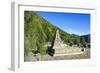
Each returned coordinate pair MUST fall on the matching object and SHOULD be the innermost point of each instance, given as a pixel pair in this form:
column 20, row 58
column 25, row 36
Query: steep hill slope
column 37, row 32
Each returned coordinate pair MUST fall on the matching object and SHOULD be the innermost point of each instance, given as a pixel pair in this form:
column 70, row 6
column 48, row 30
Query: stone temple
column 63, row 49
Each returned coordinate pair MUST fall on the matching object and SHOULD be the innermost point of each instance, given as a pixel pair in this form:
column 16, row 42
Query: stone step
column 63, row 54
column 67, row 51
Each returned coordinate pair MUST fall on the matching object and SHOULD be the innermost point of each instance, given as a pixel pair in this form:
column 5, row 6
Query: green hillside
column 38, row 31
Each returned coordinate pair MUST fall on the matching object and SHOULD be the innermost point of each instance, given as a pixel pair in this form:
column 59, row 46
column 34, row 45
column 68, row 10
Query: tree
column 83, row 42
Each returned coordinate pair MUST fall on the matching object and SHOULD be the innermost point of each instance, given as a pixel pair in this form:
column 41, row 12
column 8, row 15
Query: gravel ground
column 38, row 57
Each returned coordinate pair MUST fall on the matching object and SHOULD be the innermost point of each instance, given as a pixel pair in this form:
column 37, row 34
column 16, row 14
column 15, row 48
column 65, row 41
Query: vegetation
column 38, row 32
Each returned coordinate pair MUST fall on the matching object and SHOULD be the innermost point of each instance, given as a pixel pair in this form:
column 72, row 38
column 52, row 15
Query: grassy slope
column 37, row 32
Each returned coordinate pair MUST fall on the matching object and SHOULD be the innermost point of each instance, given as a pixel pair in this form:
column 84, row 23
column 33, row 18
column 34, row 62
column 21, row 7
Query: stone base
column 63, row 54
column 68, row 51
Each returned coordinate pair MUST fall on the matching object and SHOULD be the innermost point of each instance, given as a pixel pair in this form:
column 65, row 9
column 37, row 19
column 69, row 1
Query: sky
column 73, row 23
